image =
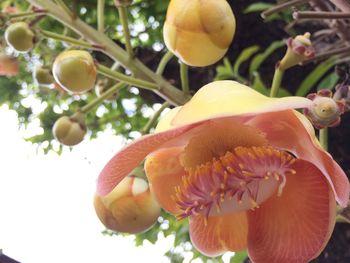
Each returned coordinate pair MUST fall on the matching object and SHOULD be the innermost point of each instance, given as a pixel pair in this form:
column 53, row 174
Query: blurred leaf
column 257, row 7
column 260, row 58
column 239, row 257
column 245, row 55
column 310, row 81
column 224, row 71
column 328, row 82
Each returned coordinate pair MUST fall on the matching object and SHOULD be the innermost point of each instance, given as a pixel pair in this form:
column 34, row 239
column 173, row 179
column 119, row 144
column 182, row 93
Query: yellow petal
column 229, row 98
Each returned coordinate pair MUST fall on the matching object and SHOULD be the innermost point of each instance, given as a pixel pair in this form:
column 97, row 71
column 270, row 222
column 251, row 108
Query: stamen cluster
column 233, row 175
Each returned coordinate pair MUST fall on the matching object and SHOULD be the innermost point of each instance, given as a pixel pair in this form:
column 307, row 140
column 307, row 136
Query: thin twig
column 281, row 7
column 320, row 15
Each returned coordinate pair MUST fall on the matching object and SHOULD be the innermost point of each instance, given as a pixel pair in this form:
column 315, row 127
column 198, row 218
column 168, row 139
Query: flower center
column 238, row 180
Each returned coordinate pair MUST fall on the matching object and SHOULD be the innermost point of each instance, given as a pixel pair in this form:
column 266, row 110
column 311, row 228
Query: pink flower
column 245, row 169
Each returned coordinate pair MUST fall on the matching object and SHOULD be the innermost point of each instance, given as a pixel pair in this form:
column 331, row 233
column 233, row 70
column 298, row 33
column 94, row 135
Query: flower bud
column 75, row 71
column 129, row 208
column 8, row 65
column 199, row 32
column 69, row 130
column 325, row 111
column 43, row 77
column 19, row 37
column 299, row 50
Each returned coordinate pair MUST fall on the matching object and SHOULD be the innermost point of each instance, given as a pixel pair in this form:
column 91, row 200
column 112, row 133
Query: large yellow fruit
column 75, row 71
column 199, row 32
column 129, row 208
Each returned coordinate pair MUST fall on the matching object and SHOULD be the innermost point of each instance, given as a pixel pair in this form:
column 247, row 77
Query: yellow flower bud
column 199, row 32
column 19, row 37
column 129, row 208
column 69, row 130
column 75, row 71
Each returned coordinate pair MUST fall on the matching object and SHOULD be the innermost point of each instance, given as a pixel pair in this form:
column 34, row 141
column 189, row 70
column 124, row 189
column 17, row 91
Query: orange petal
column 164, row 172
column 296, row 226
column 219, row 234
column 284, row 130
column 130, row 156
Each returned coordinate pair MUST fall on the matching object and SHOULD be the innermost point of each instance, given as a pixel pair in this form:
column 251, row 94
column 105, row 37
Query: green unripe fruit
column 75, row 71
column 19, row 37
column 69, row 130
column 43, row 76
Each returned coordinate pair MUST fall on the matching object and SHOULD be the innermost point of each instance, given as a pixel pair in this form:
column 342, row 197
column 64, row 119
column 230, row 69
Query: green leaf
column 239, row 257
column 224, row 71
column 259, row 85
column 244, row 56
column 310, row 81
column 328, row 82
column 260, row 58
column 257, row 7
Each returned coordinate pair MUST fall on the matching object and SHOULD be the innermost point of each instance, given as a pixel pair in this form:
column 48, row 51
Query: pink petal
column 295, row 226
column 285, row 131
column 131, row 156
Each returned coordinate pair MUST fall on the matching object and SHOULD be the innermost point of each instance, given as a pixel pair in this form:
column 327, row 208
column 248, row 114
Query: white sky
column 46, row 211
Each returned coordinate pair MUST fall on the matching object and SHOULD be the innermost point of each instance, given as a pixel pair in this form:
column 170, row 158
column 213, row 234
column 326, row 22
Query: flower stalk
column 103, row 96
column 67, row 39
column 323, row 137
column 37, row 12
column 163, row 62
column 276, row 82
column 126, row 79
column 101, row 15
column 184, row 78
column 124, row 20
column 153, row 120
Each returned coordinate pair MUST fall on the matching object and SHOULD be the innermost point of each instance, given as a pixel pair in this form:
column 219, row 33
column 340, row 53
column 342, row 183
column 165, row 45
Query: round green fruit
column 19, row 37
column 43, row 76
column 69, row 130
column 75, row 71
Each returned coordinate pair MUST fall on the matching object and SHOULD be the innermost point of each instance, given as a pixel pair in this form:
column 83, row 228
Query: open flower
column 245, row 169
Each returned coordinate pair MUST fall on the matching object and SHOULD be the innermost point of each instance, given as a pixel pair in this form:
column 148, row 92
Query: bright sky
column 46, row 211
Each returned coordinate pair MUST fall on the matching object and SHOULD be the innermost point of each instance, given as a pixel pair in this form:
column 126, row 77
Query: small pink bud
column 325, row 111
